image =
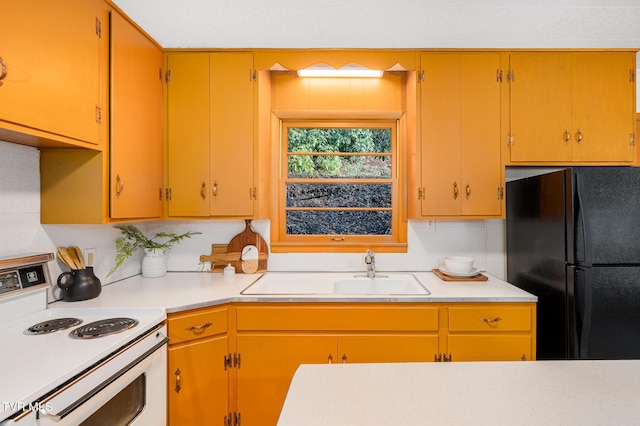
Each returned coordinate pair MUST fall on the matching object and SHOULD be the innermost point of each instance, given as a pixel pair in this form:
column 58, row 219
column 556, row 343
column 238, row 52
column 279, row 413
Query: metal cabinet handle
column 3, row 71
column 203, row 191
column 178, row 381
column 490, row 320
column 447, row 358
column 344, row 358
column 330, row 359
column 455, row 190
column 437, row 358
column 468, row 191
column 119, row 186
column 215, row 189
column 578, row 136
column 566, row 136
column 196, row 328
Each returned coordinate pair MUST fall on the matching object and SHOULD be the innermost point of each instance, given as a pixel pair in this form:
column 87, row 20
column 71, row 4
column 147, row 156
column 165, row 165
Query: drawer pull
column 490, row 320
column 198, row 328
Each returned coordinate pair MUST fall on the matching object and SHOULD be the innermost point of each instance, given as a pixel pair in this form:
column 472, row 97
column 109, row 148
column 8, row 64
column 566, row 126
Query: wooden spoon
column 77, row 256
column 65, row 257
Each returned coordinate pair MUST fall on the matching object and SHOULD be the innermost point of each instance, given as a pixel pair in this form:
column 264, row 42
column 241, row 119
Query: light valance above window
column 372, row 59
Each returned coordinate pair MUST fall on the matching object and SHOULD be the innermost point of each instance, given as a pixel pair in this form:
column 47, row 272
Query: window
column 338, row 185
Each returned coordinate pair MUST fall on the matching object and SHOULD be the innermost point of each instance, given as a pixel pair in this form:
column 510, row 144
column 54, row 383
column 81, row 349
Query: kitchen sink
column 300, row 283
column 380, row 284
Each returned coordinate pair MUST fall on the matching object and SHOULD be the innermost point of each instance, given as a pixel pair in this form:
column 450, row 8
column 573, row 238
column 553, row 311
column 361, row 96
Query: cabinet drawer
column 337, row 318
column 197, row 324
column 487, row 318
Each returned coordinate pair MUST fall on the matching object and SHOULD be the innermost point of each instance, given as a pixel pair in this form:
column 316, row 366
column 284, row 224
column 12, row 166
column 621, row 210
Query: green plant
column 133, row 239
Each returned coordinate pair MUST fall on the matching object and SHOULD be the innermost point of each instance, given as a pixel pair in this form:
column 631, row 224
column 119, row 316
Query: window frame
column 393, row 242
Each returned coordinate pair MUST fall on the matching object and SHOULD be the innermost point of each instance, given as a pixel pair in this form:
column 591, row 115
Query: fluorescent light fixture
column 349, row 70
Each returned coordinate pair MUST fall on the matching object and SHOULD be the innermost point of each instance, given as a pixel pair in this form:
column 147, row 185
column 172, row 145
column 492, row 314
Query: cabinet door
column 188, row 134
column 460, row 134
column 198, row 382
column 51, row 50
column 541, row 122
column 489, row 347
column 440, row 134
column 269, row 362
column 603, row 107
column 480, row 168
column 232, row 138
column 136, row 123
column 359, row 348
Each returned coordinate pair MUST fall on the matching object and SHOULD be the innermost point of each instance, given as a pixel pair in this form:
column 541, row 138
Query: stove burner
column 103, row 327
column 52, row 325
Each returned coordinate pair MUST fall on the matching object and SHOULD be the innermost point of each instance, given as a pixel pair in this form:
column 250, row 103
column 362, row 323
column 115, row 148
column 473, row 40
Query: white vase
column 154, row 264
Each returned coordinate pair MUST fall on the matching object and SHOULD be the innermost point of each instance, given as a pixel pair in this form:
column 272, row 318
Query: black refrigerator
column 573, row 240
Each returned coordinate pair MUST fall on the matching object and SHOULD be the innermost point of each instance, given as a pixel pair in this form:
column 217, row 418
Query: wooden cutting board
column 241, row 243
column 217, row 258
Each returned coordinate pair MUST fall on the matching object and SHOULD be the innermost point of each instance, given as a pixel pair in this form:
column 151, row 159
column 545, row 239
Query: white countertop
column 178, row 291
column 465, row 393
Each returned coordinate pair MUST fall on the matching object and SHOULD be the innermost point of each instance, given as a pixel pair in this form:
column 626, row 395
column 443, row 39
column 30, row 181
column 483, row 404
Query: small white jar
column 229, row 271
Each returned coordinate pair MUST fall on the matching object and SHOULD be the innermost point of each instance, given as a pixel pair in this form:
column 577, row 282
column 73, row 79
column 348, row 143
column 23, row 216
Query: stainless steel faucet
column 370, row 260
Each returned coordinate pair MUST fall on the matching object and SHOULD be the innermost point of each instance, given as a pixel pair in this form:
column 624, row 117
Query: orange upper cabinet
column 123, row 180
column 231, row 134
column 210, row 134
column 188, row 134
column 572, row 107
column 460, row 163
column 136, row 145
column 50, row 92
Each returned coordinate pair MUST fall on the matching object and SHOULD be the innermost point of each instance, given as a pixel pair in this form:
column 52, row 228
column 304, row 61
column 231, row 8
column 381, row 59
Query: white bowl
column 458, row 264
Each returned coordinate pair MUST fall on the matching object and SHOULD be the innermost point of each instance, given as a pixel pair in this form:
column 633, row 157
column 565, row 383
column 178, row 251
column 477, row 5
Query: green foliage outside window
column 335, row 140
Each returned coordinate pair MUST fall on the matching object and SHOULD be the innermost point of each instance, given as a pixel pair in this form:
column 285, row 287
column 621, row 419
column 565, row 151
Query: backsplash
column 22, row 233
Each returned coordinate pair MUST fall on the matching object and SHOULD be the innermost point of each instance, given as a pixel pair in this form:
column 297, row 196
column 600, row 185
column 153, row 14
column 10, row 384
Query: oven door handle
column 42, row 413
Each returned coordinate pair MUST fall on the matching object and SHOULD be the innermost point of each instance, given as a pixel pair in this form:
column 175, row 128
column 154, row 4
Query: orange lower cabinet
column 268, row 364
column 265, row 343
column 198, row 382
column 491, row 332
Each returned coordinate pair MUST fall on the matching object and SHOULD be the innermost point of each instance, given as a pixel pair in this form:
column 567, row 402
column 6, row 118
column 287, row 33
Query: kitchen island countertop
column 465, row 393
column 180, row 291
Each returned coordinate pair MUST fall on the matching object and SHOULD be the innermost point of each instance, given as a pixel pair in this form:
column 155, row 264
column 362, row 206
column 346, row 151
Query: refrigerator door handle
column 586, row 228
column 587, row 300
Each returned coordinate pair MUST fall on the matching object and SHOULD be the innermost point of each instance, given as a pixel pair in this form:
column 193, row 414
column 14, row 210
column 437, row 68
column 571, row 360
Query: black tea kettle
column 79, row 284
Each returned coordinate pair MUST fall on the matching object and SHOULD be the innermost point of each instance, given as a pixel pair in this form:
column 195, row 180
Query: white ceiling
column 388, row 23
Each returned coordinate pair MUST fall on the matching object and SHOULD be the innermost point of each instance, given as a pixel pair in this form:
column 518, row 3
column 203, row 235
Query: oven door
column 135, row 395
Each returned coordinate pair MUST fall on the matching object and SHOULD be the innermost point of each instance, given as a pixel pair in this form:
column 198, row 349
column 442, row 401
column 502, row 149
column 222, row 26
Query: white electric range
column 84, row 371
